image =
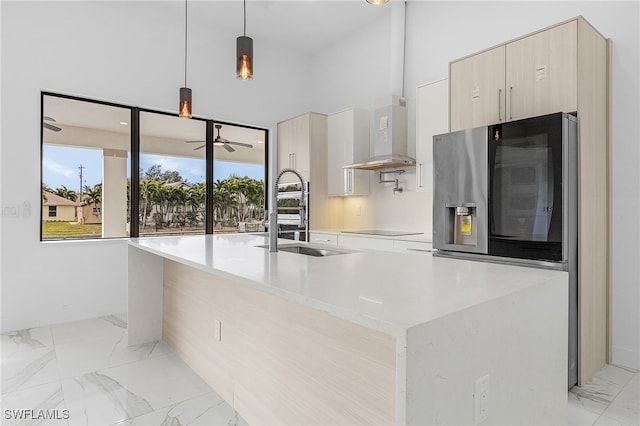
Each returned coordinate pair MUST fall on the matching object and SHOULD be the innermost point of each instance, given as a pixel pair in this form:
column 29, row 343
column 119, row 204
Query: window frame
column 134, row 152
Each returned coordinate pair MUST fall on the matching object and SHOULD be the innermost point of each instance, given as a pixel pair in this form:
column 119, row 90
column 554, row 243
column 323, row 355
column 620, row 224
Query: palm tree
column 93, row 195
column 45, row 188
column 67, row 193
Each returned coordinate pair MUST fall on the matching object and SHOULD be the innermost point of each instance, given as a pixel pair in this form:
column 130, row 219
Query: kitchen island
column 362, row 337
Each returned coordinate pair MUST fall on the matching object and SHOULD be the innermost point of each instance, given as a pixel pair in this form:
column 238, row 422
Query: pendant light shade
column 377, row 1
column 244, row 55
column 185, row 102
column 244, row 52
column 185, row 93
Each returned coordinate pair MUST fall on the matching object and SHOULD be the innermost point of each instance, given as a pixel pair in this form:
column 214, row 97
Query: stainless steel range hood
column 389, row 137
column 383, row 162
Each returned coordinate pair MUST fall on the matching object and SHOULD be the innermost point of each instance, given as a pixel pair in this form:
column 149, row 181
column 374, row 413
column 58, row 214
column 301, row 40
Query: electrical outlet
column 218, row 330
column 481, row 400
column 10, row 210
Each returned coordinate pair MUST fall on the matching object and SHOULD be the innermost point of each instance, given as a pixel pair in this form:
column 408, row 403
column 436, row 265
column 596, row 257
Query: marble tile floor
column 83, row 373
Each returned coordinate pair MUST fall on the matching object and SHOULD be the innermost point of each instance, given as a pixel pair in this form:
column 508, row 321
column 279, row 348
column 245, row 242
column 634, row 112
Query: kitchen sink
column 308, row 250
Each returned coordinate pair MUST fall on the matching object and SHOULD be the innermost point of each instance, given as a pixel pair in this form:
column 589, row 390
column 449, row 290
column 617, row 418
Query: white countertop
column 390, row 292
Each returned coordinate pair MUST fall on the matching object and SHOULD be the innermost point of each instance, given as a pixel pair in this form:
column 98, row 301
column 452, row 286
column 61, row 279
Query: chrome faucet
column 273, row 217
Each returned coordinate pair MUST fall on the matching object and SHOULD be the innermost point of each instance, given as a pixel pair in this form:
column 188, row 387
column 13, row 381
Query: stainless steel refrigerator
column 508, row 193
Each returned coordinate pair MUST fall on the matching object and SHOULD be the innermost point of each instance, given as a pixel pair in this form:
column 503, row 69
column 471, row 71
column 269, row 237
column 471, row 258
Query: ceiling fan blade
column 47, row 118
column 200, row 147
column 51, row 127
column 228, row 148
column 195, row 141
column 246, row 145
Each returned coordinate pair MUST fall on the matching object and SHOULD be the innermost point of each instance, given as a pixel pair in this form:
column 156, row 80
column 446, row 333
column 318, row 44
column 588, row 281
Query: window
column 85, row 169
column 172, row 176
column 238, row 179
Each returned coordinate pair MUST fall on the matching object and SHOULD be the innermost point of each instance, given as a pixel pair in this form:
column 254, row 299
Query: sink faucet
column 273, row 217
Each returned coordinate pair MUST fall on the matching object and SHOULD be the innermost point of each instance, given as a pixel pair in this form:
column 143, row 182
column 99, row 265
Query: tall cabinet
column 302, row 146
column 561, row 68
column 432, row 118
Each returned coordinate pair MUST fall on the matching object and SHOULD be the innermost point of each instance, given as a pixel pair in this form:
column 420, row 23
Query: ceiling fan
column 220, row 141
column 48, row 125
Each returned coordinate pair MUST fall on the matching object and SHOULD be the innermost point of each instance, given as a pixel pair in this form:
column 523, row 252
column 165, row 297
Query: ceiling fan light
column 377, row 1
column 185, row 102
column 218, row 143
column 244, row 55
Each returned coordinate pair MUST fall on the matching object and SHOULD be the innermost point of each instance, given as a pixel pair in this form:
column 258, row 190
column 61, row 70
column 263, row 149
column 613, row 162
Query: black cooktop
column 381, row 232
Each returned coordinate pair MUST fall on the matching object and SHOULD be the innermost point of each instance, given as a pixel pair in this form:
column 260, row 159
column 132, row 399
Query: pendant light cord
column 245, row 18
column 185, row 43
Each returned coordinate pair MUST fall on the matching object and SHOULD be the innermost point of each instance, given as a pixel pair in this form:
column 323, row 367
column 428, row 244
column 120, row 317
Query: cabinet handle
column 499, row 104
column 510, row 102
column 324, row 240
column 290, row 162
column 421, row 179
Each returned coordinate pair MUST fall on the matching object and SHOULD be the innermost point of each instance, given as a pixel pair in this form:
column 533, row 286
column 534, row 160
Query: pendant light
column 377, row 1
column 185, row 92
column 244, row 52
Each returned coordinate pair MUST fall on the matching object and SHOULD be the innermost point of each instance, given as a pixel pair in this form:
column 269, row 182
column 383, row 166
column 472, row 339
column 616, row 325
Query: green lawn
column 66, row 229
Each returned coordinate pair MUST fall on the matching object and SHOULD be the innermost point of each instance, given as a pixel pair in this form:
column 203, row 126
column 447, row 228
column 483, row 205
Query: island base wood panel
column 278, row 362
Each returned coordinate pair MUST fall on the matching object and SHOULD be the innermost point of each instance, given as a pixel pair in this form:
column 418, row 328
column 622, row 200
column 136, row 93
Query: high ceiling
column 303, row 25
column 306, row 26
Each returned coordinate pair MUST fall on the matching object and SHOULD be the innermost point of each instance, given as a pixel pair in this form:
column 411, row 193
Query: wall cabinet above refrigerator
column 531, row 76
column 348, row 143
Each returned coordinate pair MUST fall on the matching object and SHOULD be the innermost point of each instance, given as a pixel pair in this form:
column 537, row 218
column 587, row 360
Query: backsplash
column 384, row 209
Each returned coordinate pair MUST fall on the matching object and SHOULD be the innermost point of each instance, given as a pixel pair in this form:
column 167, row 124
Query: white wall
column 131, row 53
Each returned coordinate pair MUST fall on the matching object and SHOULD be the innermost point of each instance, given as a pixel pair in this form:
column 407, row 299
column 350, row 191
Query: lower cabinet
column 276, row 361
column 371, row 243
column 365, row 242
column 323, row 238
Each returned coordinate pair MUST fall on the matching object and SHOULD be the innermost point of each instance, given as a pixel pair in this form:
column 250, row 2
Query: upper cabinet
column 477, row 89
column 541, row 73
column 293, row 146
column 348, row 143
column 302, row 146
column 432, row 119
column 531, row 76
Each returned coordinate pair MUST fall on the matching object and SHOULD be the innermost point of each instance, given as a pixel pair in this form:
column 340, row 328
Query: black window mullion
column 134, row 186
column 209, row 205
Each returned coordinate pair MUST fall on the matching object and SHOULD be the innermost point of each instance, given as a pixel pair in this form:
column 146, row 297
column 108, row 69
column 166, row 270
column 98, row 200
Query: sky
column 60, row 166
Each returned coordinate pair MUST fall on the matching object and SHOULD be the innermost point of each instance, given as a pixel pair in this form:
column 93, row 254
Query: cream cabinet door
column 477, row 89
column 293, row 147
column 541, row 76
column 284, row 140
